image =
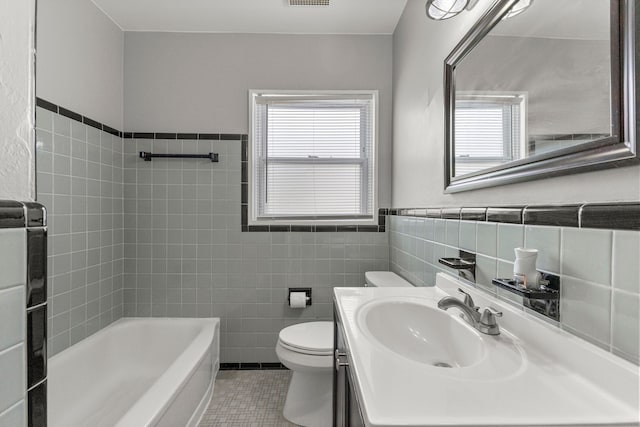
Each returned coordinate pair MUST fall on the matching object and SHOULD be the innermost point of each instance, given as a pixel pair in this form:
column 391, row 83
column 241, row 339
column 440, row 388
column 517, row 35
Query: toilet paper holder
column 307, row 292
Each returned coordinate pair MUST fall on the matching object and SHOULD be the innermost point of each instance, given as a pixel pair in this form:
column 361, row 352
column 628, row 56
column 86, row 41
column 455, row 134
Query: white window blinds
column 487, row 133
column 313, row 156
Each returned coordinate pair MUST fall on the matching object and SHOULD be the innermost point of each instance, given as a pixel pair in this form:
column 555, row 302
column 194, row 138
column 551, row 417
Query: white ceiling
column 254, row 16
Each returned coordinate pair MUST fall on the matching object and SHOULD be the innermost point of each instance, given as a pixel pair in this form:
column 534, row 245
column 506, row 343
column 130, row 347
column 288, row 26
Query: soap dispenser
column 524, row 268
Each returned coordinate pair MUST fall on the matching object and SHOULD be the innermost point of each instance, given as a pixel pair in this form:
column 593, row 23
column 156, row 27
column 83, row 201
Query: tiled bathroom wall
column 13, row 264
column 79, row 180
column 185, row 253
column 23, row 312
column 599, row 269
column 164, row 238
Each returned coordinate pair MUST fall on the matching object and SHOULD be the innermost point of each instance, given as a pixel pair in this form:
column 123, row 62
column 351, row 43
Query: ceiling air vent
column 308, row 2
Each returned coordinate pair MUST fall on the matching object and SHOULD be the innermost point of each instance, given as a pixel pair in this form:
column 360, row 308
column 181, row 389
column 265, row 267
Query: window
column 312, row 157
column 488, row 131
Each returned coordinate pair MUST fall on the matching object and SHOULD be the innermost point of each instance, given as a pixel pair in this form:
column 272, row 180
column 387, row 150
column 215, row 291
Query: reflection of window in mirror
column 548, row 91
column 490, row 129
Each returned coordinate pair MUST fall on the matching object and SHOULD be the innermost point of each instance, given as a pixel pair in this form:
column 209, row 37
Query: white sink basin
column 395, row 336
column 422, row 333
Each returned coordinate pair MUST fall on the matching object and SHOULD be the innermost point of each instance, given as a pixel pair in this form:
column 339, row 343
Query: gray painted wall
column 177, row 82
column 80, row 55
column 16, row 100
column 419, row 49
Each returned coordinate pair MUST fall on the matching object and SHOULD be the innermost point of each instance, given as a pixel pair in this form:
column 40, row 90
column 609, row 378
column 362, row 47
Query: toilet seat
column 305, row 351
column 312, row 338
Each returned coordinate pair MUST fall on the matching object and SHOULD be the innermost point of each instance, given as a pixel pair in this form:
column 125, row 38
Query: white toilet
column 307, row 349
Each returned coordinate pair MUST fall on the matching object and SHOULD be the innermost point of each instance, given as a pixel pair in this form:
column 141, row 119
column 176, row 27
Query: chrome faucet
column 485, row 322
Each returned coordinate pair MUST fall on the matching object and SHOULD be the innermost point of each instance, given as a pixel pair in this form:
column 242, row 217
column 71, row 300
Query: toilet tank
column 384, row 279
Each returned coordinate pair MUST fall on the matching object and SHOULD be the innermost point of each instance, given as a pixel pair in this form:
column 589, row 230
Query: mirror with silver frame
column 541, row 88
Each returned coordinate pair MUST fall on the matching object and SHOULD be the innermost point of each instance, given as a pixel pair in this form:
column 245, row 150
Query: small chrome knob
column 339, row 363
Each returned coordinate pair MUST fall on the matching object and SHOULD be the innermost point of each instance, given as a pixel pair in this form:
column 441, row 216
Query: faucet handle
column 488, row 324
column 468, row 301
column 489, row 315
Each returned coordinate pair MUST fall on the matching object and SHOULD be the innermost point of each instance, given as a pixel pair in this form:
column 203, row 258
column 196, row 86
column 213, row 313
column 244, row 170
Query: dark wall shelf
column 149, row 156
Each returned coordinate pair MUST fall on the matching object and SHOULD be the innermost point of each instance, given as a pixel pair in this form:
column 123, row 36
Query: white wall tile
column 13, row 257
column 439, row 230
column 510, row 236
column 453, row 232
column 12, row 317
column 586, row 254
column 486, row 271
column 12, row 366
column 429, row 228
column 505, row 269
column 586, row 309
column 626, row 332
column 547, row 241
column 15, row 416
column 468, row 235
column 626, row 264
column 487, row 234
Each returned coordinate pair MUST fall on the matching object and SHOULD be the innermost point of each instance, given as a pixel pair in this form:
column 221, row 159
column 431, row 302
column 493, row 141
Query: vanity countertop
column 533, row 373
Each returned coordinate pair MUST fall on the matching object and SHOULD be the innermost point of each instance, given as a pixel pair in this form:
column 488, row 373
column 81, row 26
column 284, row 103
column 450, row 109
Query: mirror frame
column 620, row 149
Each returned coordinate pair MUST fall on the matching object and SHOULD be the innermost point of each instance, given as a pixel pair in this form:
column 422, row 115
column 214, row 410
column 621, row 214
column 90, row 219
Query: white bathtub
column 136, row 372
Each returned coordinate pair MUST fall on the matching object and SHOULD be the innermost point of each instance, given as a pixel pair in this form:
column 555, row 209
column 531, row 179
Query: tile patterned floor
column 248, row 399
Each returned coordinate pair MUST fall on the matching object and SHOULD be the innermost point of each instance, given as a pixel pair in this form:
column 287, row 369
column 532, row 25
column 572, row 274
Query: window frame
column 253, row 203
column 511, row 98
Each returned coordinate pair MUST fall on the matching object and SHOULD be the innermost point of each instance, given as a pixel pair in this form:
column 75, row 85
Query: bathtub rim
column 138, row 414
column 157, row 399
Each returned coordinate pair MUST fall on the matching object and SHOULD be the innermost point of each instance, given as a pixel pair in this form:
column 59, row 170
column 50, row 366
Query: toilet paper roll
column 297, row 300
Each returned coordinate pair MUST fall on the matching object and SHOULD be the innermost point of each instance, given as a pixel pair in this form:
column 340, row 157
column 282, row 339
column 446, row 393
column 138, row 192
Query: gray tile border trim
column 32, row 215
column 510, row 215
column 15, row 214
column 12, row 214
column 244, row 366
column 243, row 139
column 37, row 405
column 50, row 106
column 244, row 208
column 561, row 216
column 613, row 216
column 36, row 214
column 450, row 213
column 623, row 216
column 73, row 115
column 36, row 267
column 473, row 214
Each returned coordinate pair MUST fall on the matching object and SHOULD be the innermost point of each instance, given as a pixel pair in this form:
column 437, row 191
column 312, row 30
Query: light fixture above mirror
column 440, row 10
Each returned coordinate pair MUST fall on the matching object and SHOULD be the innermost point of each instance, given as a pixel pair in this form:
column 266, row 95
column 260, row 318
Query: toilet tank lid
column 385, row 279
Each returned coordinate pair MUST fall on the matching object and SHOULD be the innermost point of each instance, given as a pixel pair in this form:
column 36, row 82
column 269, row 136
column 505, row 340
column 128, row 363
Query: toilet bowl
column 307, row 349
